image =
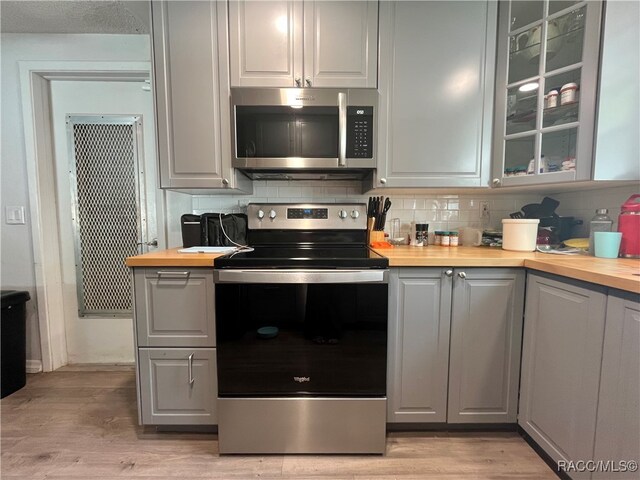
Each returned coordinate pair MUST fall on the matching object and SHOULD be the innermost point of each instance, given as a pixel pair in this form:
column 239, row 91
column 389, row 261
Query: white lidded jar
column 519, row 234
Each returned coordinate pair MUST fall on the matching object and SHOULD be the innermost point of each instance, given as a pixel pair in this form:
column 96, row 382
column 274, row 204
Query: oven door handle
column 301, row 276
column 342, row 129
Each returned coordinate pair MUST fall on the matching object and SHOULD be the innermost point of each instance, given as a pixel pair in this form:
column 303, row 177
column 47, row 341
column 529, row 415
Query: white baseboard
column 34, row 366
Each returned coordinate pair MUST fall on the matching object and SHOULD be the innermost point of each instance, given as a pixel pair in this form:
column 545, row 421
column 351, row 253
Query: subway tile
column 266, row 191
column 335, row 191
column 409, row 203
column 469, row 215
column 289, row 192
column 435, row 204
column 453, row 204
column 448, row 215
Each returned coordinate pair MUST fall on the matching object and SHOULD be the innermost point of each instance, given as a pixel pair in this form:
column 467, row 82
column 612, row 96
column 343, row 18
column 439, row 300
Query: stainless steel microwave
column 297, row 131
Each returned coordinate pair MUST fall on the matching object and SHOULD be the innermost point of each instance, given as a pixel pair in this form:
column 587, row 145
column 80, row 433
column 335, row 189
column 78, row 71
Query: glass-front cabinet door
column 546, row 85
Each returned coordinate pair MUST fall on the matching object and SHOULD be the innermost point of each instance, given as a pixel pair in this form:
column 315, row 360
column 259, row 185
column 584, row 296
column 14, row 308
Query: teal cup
column 607, row 244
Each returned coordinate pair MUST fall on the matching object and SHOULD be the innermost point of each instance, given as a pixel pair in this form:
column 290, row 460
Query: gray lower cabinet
column 618, row 426
column 486, row 337
column 174, row 307
column 436, row 93
column 174, row 318
column 191, row 87
column 561, row 359
column 418, row 357
column 178, row 386
column 454, row 344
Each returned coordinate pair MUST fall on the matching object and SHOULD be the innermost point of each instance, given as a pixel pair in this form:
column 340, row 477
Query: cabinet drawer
column 178, row 386
column 174, row 307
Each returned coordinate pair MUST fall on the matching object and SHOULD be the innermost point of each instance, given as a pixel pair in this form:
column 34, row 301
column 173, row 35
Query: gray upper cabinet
column 178, row 386
column 618, row 427
column 561, row 359
column 303, row 43
column 174, row 307
column 486, row 335
column 419, row 318
column 191, row 94
column 546, row 87
column 436, row 84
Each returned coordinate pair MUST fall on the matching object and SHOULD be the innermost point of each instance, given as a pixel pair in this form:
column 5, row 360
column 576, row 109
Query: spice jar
column 568, row 93
column 446, row 239
column 552, row 99
column 453, row 239
column 437, row 239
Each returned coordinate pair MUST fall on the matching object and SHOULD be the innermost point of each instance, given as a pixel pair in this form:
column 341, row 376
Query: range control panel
column 310, row 216
column 359, row 132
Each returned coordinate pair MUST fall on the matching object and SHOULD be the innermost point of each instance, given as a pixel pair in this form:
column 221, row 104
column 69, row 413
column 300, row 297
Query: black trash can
column 13, row 356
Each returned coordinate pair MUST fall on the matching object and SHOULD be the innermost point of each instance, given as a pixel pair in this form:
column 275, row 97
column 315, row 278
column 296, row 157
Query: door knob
column 448, row 273
column 496, row 182
column 383, row 181
column 462, row 275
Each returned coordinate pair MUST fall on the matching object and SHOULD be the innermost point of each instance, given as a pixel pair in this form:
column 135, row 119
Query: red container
column 629, row 226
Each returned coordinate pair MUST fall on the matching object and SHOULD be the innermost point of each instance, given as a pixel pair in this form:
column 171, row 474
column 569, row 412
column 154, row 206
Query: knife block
column 376, row 236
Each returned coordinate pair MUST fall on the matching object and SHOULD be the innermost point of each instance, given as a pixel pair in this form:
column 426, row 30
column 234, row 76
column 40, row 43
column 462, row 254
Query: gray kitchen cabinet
column 618, row 425
column 419, row 318
column 541, row 137
column 190, row 80
column 178, row 386
column 454, row 344
column 303, row 43
column 436, row 85
column 174, row 326
column 174, row 307
column 486, row 337
column 561, row 359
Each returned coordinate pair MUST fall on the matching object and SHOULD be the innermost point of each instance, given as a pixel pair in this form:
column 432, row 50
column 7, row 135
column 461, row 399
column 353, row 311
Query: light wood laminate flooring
column 81, row 423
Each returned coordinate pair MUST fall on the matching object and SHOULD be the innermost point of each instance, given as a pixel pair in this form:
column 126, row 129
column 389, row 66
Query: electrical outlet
column 484, row 211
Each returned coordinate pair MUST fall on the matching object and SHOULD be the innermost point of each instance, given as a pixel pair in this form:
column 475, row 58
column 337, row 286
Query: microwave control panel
column 359, row 132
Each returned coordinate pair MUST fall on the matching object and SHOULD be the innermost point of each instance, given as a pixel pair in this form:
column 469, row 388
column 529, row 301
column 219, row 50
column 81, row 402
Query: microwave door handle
column 342, row 129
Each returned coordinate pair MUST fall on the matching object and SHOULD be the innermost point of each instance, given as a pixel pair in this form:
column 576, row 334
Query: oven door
column 293, row 333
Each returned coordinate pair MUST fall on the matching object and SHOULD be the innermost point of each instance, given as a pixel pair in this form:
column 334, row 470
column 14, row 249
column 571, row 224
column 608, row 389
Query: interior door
column 99, row 210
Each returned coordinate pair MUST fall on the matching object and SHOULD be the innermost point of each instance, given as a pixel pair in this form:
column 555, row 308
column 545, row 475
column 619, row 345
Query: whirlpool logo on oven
column 302, row 379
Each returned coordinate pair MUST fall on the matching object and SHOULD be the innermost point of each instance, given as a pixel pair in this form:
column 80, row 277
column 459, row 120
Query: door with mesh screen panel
column 108, row 211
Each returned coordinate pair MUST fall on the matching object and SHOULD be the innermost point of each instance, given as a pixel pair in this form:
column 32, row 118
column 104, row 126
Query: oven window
column 282, row 132
column 331, row 340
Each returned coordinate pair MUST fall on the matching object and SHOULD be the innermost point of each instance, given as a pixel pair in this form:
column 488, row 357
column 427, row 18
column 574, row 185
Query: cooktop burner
column 318, row 235
column 304, row 257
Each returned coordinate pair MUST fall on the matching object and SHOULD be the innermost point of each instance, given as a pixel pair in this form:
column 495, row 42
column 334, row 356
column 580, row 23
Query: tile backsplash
column 582, row 204
column 441, row 212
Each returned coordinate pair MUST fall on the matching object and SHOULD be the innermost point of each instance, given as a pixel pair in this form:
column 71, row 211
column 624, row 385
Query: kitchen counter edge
column 623, row 274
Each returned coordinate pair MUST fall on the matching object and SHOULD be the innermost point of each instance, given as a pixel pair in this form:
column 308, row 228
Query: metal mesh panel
column 107, row 229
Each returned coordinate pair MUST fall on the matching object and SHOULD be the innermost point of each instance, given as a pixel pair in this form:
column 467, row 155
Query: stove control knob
column 342, row 214
column 260, row 214
column 355, row 214
column 272, row 214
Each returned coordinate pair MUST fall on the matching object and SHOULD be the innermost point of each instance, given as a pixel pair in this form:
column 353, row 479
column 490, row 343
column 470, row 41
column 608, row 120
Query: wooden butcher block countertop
column 615, row 273
column 619, row 273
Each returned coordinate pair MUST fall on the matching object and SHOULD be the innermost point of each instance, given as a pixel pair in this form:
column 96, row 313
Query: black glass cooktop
column 304, row 257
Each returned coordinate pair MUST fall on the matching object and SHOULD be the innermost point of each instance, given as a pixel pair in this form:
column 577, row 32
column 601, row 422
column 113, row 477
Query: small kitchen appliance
column 301, row 332
column 629, row 226
column 301, row 133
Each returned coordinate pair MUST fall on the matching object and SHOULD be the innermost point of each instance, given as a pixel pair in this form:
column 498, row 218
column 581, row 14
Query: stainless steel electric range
column 301, row 325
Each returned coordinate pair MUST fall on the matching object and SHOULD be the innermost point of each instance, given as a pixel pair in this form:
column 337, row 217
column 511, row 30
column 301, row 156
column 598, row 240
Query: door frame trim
column 35, row 78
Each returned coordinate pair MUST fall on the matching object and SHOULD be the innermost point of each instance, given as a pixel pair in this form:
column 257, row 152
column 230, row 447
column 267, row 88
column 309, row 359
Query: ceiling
column 74, row 16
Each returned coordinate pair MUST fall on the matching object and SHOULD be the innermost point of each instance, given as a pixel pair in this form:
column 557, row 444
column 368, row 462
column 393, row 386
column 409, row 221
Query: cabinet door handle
column 170, row 274
column 383, row 181
column 462, row 275
column 496, row 182
column 190, row 369
column 298, row 82
column 308, row 82
column 448, row 273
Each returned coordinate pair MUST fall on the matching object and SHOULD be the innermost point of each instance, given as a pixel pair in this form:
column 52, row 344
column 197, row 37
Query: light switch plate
column 14, row 215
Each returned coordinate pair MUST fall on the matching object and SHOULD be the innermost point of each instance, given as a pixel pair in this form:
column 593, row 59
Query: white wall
column 16, row 249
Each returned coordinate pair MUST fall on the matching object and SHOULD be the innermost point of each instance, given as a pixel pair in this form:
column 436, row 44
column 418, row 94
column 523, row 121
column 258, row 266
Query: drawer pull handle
column 162, row 273
column 190, row 369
